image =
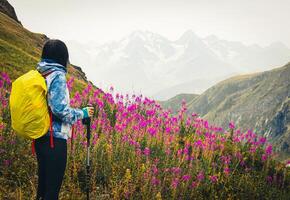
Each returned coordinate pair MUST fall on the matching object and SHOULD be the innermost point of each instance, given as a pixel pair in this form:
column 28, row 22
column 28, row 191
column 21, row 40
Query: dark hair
column 55, row 50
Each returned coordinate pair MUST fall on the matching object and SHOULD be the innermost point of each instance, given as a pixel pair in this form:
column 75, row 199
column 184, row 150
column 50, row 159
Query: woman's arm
column 58, row 101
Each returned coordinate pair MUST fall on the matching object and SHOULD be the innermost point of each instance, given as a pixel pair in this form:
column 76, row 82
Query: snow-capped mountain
column 148, row 63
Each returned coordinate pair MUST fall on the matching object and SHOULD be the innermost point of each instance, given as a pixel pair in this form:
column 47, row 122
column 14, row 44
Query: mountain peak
column 187, row 36
column 212, row 38
column 138, row 33
column 277, row 45
column 145, row 35
column 7, row 9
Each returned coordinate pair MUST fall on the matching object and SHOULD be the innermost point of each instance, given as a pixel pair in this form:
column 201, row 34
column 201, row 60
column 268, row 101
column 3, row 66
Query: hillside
column 257, row 101
column 174, row 103
column 20, row 49
column 7, row 9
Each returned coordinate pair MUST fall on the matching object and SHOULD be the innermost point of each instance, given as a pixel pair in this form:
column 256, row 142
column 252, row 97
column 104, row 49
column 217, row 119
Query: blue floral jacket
column 63, row 116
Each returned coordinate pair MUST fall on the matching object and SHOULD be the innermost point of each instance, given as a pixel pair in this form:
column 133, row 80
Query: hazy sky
column 249, row 21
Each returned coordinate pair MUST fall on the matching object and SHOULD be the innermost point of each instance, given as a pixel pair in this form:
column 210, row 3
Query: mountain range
column 161, row 68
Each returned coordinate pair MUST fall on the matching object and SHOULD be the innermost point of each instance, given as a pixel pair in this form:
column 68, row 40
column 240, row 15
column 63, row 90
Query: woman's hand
column 88, row 111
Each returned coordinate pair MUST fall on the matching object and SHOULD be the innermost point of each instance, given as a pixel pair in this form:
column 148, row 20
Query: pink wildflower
column 200, row 176
column 146, row 151
column 269, row 149
column 186, row 177
column 213, row 179
column 194, row 184
column 174, row 183
column 155, row 181
column 232, row 125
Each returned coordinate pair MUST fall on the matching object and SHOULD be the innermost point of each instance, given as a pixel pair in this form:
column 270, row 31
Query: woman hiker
column 51, row 152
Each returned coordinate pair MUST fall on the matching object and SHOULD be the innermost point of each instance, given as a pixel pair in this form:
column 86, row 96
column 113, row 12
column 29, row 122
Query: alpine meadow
column 230, row 141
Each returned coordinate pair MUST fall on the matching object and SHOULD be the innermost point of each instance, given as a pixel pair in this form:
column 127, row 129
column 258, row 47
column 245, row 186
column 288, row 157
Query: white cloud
column 259, row 21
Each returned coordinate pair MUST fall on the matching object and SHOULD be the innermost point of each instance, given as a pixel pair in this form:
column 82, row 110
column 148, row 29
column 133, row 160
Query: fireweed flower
column 213, row 179
column 5, row 77
column 179, row 152
column 238, row 155
column 96, row 93
column 189, row 158
column 288, row 164
column 70, row 83
column 99, row 103
column 264, row 157
column 155, row 181
column 1, row 83
column 236, row 139
column 143, row 124
column 78, row 98
column 152, row 131
column 198, row 132
column 253, row 149
column 205, row 124
column 194, row 184
column 186, row 177
column 146, row 151
column 2, row 151
column 154, row 169
column 175, row 183
column 176, row 170
column 200, row 176
column 12, row 142
column 168, row 130
column 194, row 115
column 111, row 89
column 269, row 179
column 262, row 140
column 268, row 150
column 168, row 151
column 227, row 171
column 198, row 144
column 231, row 125
column 226, row 159
column 150, row 112
column 7, row 163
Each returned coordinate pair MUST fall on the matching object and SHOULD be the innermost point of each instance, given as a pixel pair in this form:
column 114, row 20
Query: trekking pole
column 87, row 122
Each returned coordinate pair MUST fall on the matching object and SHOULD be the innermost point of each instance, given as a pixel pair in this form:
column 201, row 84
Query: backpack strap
column 46, row 74
column 50, row 124
column 50, row 137
column 50, row 116
column 33, row 147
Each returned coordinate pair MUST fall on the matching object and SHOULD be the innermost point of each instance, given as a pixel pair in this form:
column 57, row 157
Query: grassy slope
column 174, row 103
column 252, row 101
column 20, row 50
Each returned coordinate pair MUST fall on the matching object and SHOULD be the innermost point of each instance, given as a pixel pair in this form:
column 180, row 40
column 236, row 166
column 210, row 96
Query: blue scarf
column 48, row 65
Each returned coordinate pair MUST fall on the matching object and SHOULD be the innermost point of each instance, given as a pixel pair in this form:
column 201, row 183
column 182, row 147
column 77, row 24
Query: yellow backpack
column 28, row 105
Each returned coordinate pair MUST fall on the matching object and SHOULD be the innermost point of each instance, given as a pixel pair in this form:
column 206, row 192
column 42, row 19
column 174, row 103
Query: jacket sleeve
column 58, row 101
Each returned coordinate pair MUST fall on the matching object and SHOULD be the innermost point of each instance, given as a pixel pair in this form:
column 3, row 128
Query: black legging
column 51, row 167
